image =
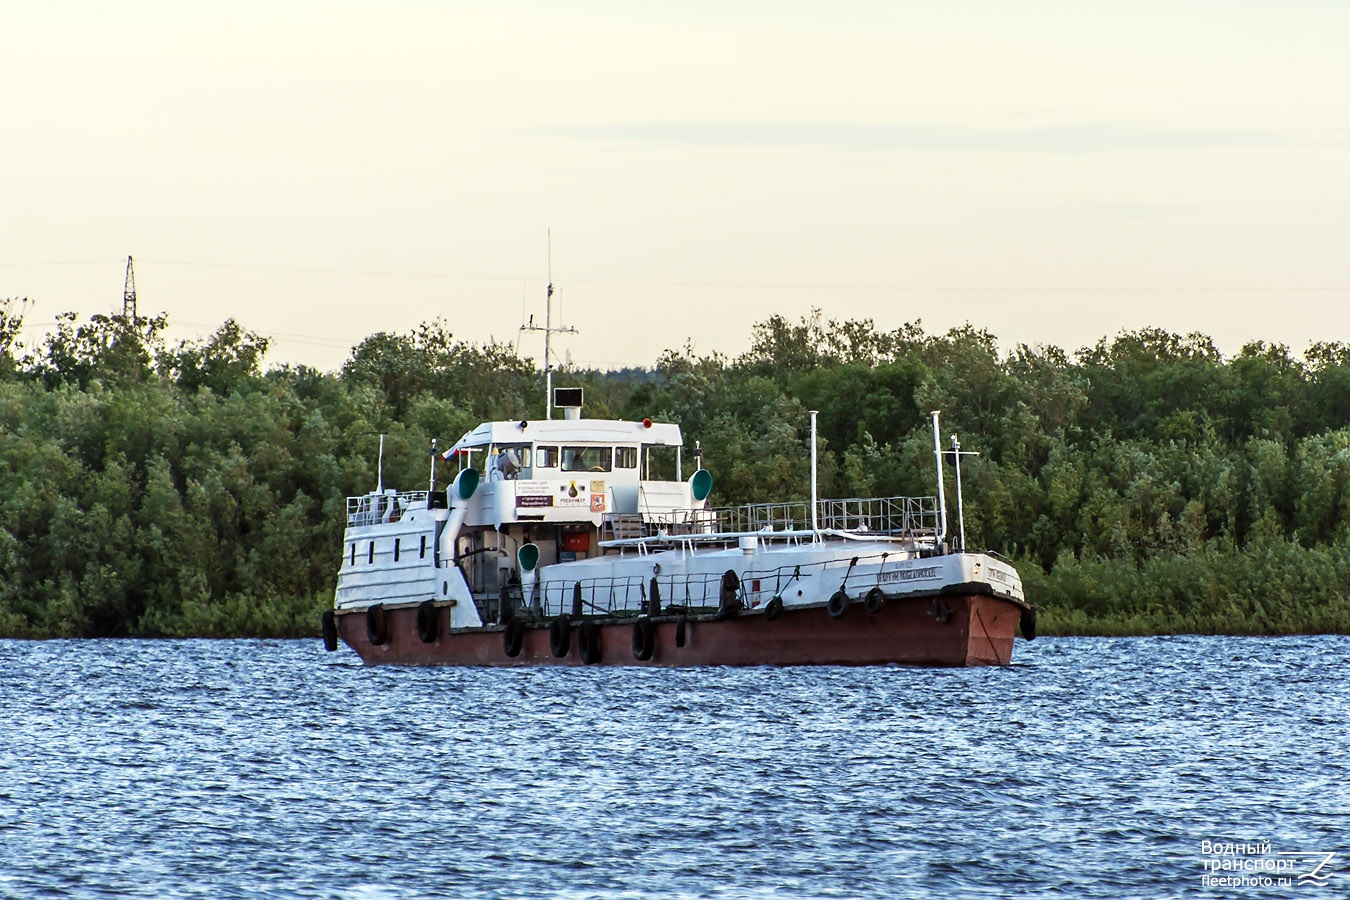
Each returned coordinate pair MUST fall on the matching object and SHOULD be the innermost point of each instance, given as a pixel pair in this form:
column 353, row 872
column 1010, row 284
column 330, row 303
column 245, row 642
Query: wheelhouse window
column 587, row 459
column 510, row 460
column 546, row 457
column 625, row 457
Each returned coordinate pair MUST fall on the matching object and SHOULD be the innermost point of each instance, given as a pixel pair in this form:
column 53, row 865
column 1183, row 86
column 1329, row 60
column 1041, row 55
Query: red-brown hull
column 978, row 631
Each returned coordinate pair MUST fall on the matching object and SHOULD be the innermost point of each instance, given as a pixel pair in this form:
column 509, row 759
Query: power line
column 769, row 285
column 757, row 285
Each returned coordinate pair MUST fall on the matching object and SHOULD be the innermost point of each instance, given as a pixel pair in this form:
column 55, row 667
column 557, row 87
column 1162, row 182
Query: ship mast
column 957, row 453
column 548, row 331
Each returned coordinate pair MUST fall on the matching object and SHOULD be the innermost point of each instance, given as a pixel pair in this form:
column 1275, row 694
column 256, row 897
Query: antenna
column 129, row 295
column 549, row 330
column 957, row 453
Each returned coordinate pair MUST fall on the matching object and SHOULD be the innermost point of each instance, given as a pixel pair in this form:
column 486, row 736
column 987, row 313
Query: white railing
column 889, row 516
column 374, row 509
column 629, row 595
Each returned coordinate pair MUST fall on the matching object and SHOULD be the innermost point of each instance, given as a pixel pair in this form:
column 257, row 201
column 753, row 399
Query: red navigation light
column 646, row 423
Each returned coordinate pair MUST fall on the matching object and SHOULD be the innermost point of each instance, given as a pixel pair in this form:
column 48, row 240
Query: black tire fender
column 428, row 621
column 560, row 636
column 644, row 640
column 588, row 639
column 377, row 629
column 838, row 605
column 875, row 600
column 330, row 633
column 513, row 637
column 681, row 630
column 1029, row 624
column 774, row 609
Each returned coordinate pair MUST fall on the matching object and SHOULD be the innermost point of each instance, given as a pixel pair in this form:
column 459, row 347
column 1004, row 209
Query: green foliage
column 1145, row 485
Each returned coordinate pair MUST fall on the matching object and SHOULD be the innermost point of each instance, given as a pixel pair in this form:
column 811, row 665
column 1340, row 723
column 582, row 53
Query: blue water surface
column 1091, row 768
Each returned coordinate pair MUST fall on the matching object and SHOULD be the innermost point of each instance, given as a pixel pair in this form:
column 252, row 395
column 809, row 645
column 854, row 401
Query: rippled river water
column 1094, row 767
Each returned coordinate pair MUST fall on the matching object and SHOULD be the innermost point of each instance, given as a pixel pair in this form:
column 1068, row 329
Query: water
column 1093, row 768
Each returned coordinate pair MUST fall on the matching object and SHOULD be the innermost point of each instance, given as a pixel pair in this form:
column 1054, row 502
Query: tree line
column 1146, row 484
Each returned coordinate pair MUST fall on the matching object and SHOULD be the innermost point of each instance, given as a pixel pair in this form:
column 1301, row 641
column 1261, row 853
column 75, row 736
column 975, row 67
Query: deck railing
column 629, row 595
column 889, row 516
column 373, row 509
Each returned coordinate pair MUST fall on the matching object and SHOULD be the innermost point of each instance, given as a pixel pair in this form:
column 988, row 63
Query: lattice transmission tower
column 129, row 295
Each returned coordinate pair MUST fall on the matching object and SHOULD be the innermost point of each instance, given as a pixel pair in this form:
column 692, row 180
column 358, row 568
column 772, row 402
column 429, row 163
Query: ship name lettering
column 908, row 575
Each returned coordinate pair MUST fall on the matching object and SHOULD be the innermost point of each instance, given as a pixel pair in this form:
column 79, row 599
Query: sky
column 1054, row 172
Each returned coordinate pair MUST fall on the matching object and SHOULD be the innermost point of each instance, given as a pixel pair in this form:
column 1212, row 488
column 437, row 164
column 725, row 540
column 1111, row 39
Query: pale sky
column 1051, row 171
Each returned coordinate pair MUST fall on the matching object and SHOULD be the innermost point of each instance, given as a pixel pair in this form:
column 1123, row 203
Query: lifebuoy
column 680, row 630
column 513, row 637
column 330, row 635
column 376, row 628
column 1029, row 624
column 838, row 605
column 560, row 636
column 588, row 637
column 644, row 640
column 774, row 609
column 875, row 600
column 428, row 621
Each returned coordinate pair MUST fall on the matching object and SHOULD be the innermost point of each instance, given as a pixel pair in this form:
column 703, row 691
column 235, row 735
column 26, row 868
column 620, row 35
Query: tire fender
column 838, row 605
column 377, row 629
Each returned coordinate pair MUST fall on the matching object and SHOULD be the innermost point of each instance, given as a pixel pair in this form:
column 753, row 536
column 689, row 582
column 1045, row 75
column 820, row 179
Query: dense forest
column 1146, row 484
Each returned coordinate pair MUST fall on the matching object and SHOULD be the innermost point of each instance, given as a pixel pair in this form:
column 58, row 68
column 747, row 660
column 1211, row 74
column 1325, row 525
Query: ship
column 580, row 542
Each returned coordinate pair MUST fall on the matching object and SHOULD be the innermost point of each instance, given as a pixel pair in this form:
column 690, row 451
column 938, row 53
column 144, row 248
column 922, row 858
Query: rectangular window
column 625, row 457
column 423, row 554
column 587, row 459
column 353, row 552
column 396, row 540
column 371, row 556
column 546, row 457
